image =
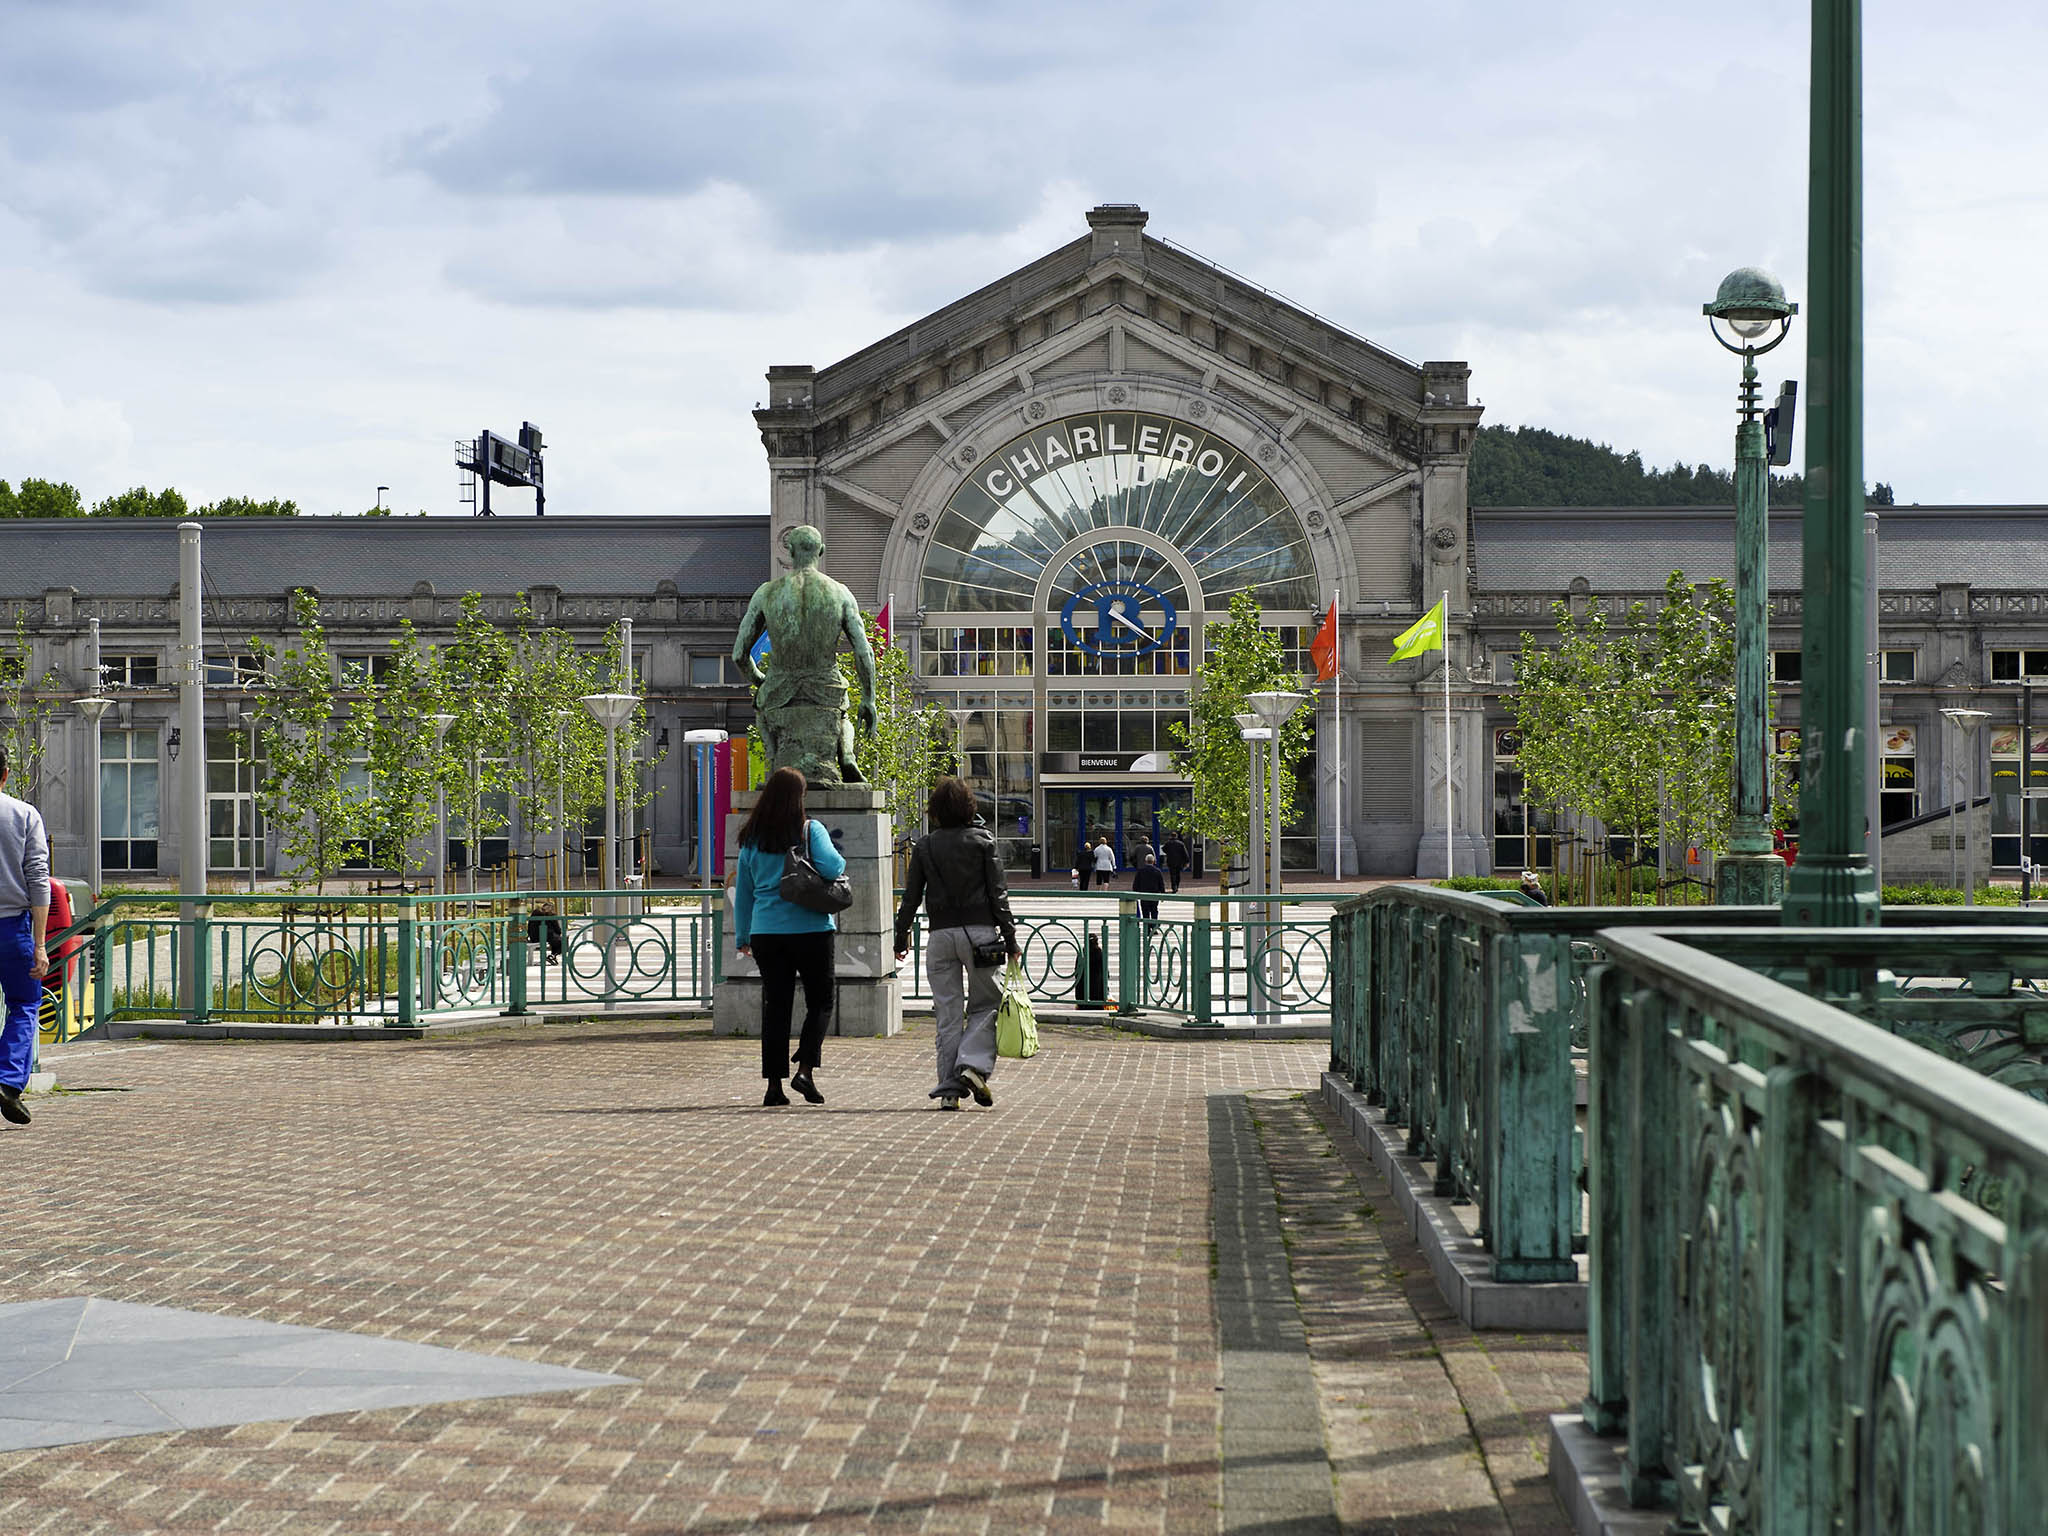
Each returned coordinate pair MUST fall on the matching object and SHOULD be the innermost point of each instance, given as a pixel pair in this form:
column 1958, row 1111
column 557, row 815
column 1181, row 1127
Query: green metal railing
column 1463, row 1018
column 1203, row 959
column 404, row 960
column 1819, row 1249
column 395, row 960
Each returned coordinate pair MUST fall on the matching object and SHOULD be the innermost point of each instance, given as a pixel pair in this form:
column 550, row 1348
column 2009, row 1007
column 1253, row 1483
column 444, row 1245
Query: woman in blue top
column 785, row 940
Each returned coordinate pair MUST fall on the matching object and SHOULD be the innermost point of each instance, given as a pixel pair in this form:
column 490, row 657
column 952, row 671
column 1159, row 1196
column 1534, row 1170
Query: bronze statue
column 800, row 698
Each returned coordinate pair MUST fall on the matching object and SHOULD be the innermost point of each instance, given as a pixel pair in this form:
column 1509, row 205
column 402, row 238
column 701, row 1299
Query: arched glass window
column 1108, row 470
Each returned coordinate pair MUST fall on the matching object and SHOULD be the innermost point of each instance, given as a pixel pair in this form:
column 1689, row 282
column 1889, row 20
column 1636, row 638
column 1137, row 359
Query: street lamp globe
column 1749, row 303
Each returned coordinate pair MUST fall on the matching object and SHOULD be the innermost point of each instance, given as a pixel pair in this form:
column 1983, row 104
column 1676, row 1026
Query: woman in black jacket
column 955, row 873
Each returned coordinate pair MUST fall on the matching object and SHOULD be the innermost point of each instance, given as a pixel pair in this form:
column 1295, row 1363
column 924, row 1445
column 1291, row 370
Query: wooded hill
column 1529, row 467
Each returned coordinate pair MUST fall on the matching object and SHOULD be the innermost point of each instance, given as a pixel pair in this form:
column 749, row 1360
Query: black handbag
column 803, row 886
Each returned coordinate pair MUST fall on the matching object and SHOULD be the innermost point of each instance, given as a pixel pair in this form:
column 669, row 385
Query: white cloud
column 298, row 250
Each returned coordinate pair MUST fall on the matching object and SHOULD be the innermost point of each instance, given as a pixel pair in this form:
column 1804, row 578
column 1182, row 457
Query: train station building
column 1057, row 483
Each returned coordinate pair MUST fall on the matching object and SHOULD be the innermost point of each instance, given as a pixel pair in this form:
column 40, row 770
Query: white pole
column 96, row 689
column 633, row 748
column 1450, row 856
column 1337, row 810
column 192, row 781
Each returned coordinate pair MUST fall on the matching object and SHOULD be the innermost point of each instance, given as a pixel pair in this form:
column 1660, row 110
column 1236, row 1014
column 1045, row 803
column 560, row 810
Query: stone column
column 870, row 996
column 1471, row 799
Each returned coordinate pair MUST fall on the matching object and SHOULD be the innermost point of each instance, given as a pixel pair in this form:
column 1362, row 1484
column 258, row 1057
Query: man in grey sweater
column 24, row 916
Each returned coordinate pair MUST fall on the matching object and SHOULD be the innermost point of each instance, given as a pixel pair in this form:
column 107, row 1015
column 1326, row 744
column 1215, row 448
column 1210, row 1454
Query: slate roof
column 357, row 556
column 1632, row 549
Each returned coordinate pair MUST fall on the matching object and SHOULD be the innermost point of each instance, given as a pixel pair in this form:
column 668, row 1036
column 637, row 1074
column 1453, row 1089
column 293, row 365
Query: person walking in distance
column 956, row 875
column 1176, row 853
column 1149, row 881
column 24, row 919
column 1105, row 863
column 785, row 940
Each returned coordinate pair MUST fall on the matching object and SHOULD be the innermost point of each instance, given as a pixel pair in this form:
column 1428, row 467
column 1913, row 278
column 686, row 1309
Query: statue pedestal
column 870, row 997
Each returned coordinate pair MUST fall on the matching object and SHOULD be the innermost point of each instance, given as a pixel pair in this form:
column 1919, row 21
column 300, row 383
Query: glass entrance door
column 1128, row 818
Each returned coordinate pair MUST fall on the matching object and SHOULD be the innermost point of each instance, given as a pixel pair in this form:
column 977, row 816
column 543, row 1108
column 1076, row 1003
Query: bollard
column 1130, row 949
column 408, row 963
column 1199, row 1003
column 515, row 960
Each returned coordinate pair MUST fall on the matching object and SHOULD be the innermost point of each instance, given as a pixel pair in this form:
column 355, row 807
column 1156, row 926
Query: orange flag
column 1323, row 649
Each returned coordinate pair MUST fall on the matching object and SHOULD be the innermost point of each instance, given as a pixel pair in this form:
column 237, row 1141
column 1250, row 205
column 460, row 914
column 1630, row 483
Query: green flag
column 1425, row 634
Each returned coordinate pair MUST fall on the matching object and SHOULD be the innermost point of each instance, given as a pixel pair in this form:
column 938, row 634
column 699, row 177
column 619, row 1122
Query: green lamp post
column 1833, row 884
column 1750, row 303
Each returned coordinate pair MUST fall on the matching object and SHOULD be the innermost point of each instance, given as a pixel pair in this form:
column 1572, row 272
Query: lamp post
column 1749, row 303
column 562, row 717
column 1967, row 720
column 610, row 710
column 1833, row 883
column 93, row 708
column 1254, row 732
column 1274, row 709
column 440, row 724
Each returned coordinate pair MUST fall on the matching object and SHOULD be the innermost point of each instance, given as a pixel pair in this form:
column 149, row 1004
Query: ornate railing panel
column 1463, row 1019
column 1203, row 959
column 1819, row 1250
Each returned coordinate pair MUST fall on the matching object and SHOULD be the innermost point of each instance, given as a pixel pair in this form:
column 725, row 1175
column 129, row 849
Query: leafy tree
column 553, row 743
column 243, row 506
column 307, row 753
column 405, row 765
column 27, row 700
column 1607, row 706
column 41, row 498
column 479, row 662
column 910, row 745
column 142, row 502
column 1243, row 657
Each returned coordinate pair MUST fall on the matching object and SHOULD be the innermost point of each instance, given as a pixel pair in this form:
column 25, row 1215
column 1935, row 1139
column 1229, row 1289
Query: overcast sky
column 298, row 250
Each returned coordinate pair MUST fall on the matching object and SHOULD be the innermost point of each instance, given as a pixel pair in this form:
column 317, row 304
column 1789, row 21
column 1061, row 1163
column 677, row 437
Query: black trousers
column 783, row 957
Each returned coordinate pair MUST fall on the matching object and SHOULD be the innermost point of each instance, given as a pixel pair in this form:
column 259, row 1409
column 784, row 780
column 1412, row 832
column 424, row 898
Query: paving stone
column 1013, row 1303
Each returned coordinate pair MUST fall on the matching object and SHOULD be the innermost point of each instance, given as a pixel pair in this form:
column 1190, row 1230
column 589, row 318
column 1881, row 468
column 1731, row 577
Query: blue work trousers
column 24, row 995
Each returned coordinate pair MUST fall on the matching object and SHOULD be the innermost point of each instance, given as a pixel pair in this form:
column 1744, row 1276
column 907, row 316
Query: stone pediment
column 1118, row 301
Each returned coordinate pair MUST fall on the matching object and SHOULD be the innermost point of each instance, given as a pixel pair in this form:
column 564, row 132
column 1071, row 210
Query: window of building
column 233, row 670
column 995, row 737
column 1899, row 800
column 1899, row 666
column 1522, row 834
column 129, row 669
column 1026, row 501
column 707, row 671
column 128, row 799
column 2005, row 796
column 234, row 829
column 365, row 668
column 1785, row 666
column 994, row 651
column 2011, row 666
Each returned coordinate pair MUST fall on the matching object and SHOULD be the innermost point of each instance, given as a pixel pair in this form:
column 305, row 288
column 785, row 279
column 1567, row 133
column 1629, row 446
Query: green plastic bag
column 1016, row 1023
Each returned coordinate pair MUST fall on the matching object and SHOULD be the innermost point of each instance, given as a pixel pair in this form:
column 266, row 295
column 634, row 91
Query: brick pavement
column 868, row 1315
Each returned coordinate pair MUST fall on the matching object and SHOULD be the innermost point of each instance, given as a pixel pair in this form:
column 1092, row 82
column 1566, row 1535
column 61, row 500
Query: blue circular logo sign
column 1119, row 618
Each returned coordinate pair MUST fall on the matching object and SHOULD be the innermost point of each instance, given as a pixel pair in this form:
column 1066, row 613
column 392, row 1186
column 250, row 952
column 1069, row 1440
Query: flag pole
column 1337, row 810
column 1450, row 857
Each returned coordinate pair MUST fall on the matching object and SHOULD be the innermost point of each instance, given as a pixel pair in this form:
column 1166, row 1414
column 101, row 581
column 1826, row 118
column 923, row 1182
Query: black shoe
column 978, row 1086
column 11, row 1107
column 802, row 1084
column 774, row 1095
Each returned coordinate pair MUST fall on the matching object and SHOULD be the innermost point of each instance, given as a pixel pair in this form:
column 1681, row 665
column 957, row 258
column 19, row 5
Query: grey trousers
column 965, row 1000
